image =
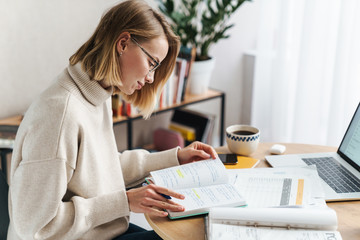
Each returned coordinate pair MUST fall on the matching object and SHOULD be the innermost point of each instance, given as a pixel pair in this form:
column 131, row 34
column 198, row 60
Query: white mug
column 242, row 139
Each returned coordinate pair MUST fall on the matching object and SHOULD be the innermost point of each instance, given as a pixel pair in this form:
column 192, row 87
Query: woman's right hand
column 148, row 199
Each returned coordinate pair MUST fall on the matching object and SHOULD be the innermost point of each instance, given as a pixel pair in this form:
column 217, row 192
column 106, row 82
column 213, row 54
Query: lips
column 140, row 85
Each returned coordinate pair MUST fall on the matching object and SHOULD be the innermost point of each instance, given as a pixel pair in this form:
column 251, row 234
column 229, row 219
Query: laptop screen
column 350, row 146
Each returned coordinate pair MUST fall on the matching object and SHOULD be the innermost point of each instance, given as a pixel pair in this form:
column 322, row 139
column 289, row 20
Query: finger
column 156, row 212
column 168, row 205
column 153, row 193
column 201, row 155
column 209, row 150
column 167, row 192
column 213, row 153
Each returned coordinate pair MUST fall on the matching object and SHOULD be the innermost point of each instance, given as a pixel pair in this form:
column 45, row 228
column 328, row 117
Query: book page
column 269, row 192
column 269, row 187
column 226, row 232
column 209, row 196
column 196, row 174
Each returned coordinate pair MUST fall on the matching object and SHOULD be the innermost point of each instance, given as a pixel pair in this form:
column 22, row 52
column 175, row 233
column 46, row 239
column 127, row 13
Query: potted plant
column 200, row 24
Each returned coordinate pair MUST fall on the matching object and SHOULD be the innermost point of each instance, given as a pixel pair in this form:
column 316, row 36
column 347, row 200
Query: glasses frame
column 157, row 64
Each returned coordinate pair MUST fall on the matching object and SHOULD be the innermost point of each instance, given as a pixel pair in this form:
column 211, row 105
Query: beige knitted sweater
column 67, row 178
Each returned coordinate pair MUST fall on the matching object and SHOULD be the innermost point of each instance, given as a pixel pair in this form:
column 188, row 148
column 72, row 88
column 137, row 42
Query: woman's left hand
column 196, row 151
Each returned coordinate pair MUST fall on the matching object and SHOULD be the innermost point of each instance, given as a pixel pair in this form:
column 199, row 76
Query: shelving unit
column 189, row 100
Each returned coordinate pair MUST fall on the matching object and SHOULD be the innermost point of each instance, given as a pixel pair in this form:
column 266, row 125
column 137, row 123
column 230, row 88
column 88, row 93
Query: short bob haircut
column 99, row 57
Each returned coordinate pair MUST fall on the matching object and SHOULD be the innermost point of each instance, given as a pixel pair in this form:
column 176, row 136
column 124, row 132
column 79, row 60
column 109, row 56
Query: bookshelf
column 188, row 100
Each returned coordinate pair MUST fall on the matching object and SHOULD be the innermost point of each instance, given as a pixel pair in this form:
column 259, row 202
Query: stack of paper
column 282, row 203
column 274, row 187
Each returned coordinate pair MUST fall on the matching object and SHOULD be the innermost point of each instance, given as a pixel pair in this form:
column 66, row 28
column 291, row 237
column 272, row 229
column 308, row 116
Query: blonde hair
column 99, row 55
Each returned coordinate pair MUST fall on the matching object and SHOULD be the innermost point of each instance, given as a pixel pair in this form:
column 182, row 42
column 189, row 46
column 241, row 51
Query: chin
column 132, row 91
column 127, row 91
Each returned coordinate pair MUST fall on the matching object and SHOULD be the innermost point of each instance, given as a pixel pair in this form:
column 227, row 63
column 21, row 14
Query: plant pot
column 200, row 76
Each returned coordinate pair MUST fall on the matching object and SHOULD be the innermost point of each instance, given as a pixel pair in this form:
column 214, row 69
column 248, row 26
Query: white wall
column 39, row 36
column 37, row 39
column 229, row 72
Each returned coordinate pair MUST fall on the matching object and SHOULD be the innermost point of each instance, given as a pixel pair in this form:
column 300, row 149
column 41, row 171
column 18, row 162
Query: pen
column 164, row 195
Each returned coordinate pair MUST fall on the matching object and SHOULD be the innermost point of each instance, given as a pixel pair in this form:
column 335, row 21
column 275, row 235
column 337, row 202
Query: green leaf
column 213, row 24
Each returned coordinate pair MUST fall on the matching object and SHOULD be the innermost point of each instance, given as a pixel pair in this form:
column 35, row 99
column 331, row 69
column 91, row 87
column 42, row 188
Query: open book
column 204, row 184
column 272, row 223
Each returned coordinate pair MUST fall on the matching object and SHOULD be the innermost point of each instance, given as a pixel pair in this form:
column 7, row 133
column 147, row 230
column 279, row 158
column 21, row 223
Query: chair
column 4, row 211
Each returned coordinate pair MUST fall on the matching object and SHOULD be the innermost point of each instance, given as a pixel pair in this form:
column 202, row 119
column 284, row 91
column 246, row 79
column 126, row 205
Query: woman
column 67, row 179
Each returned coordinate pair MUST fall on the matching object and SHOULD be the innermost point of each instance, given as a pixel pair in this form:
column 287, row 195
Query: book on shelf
column 202, row 123
column 188, row 133
column 272, row 223
column 175, row 88
column 205, row 184
column 121, row 108
column 189, row 55
column 209, row 130
column 169, row 89
column 182, row 67
column 175, row 81
column 117, row 105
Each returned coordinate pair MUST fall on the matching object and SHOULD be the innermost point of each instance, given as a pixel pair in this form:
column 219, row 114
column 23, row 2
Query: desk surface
column 193, row 228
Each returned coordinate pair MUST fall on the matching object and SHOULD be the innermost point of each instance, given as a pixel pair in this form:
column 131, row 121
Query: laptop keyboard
column 335, row 175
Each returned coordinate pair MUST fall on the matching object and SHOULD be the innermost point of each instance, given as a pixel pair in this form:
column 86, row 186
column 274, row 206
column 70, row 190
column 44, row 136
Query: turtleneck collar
column 90, row 89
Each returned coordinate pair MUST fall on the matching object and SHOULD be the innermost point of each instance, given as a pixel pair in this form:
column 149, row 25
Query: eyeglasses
column 155, row 64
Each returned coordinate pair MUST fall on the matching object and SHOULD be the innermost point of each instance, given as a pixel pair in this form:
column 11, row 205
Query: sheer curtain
column 307, row 70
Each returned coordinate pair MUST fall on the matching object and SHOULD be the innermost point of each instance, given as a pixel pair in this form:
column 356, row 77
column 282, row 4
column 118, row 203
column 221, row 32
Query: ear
column 123, row 42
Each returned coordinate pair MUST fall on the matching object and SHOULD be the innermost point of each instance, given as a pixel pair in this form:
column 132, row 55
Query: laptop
column 339, row 171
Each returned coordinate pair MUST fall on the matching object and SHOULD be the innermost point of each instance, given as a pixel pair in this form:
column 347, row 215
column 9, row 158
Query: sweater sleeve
column 137, row 164
column 39, row 212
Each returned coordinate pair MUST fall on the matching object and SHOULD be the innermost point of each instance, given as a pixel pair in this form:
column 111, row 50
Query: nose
column 149, row 77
